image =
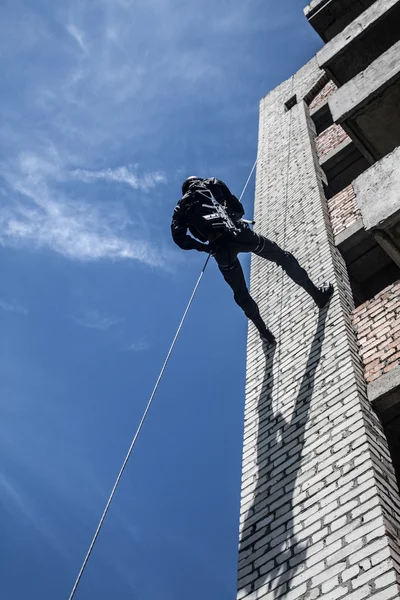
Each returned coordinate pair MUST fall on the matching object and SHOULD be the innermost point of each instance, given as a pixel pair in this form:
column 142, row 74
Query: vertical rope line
column 114, row 489
column 285, row 211
column 103, row 516
column 248, row 179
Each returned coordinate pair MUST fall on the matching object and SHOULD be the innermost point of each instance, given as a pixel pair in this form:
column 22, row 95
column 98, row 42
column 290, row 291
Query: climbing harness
column 218, row 215
column 220, row 218
column 114, row 489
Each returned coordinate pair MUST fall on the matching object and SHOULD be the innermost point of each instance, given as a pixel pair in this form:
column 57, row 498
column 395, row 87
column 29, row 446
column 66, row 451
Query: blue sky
column 106, row 106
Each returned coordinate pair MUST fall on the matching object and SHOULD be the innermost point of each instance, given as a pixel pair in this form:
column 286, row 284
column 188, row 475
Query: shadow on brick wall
column 267, row 543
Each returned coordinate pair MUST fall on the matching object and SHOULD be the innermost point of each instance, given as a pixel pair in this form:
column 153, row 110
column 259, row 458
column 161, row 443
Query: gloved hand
column 208, row 248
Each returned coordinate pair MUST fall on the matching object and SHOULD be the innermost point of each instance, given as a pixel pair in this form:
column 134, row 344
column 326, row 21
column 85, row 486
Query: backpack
column 207, row 216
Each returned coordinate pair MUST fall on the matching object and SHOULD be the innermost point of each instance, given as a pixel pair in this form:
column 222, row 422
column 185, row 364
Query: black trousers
column 226, row 249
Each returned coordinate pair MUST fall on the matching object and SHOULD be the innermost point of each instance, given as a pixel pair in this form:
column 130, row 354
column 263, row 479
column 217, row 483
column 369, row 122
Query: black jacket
column 190, row 210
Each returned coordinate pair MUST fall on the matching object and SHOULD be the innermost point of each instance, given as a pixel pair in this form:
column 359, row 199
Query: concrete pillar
column 320, row 509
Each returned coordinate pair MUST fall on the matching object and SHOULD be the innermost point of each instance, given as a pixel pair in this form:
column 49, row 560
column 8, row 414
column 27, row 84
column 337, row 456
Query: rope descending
column 114, row 489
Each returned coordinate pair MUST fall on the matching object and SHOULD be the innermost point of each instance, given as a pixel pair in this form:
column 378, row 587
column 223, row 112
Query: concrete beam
column 358, row 92
column 367, row 37
column 384, row 386
column 341, row 165
column 350, row 237
column 335, row 155
column 388, row 244
column 378, row 191
column 320, row 108
column 330, row 17
column 314, row 6
column 368, row 105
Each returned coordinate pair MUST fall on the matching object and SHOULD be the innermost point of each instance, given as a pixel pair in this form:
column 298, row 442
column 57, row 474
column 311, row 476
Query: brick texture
column 330, row 139
column 320, row 510
column 323, row 95
column 377, row 323
column 343, row 209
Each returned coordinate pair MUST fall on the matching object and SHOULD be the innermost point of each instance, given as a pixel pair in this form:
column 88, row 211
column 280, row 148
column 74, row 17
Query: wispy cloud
column 88, row 116
column 12, row 306
column 121, row 174
column 78, row 36
column 42, row 215
column 139, row 345
column 95, row 319
column 115, row 326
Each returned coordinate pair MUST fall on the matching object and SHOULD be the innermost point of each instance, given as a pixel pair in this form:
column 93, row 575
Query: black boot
column 266, row 335
column 325, row 294
column 321, row 295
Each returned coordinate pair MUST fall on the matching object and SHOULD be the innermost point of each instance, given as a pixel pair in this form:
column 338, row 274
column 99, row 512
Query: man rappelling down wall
column 213, row 214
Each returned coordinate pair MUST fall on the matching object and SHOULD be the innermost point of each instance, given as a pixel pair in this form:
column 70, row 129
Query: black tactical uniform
column 213, row 214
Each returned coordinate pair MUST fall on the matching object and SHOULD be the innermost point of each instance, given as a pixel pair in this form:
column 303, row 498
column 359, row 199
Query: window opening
column 290, row 103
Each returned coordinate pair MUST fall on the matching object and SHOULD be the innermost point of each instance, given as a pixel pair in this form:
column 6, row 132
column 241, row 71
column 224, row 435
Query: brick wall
column 320, row 510
column 377, row 323
column 330, row 139
column 343, row 209
column 323, row 95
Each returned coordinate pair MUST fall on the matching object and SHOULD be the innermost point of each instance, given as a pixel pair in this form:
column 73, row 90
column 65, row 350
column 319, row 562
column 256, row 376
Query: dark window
column 369, row 267
column 290, row 103
column 341, row 166
column 322, row 118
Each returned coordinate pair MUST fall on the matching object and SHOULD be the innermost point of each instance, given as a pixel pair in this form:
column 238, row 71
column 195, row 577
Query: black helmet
column 188, row 182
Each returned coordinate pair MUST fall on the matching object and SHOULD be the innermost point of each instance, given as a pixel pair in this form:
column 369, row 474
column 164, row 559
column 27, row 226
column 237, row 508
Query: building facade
column 320, row 504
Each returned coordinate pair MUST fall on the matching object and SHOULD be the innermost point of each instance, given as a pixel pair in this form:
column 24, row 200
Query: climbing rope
column 285, row 213
column 114, row 489
column 248, row 179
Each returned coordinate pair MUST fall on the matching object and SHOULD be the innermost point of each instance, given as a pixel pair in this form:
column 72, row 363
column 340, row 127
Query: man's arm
column 222, row 193
column 180, row 235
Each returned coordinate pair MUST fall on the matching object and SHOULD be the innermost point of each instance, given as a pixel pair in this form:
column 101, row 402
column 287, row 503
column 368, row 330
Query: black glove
column 207, row 248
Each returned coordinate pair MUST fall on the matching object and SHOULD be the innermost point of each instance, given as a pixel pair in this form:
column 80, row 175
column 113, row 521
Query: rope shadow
column 267, row 542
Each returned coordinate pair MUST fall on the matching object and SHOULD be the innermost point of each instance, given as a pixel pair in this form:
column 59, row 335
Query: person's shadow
column 267, row 545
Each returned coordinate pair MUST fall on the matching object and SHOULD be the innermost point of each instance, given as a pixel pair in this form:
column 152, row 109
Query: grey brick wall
column 319, row 506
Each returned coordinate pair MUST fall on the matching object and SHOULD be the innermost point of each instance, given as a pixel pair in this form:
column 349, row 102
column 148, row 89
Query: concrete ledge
column 330, row 17
column 381, row 390
column 313, row 6
column 348, row 238
column 359, row 27
column 341, row 166
column 368, row 84
column 367, row 106
column 320, row 108
column 378, row 191
column 332, row 157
